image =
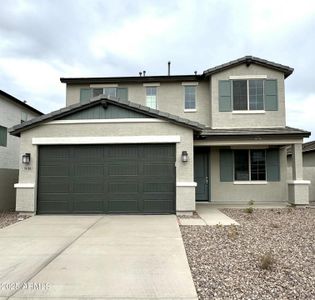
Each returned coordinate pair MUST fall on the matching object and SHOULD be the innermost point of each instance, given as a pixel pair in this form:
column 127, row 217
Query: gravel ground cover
column 8, row 218
column 271, row 255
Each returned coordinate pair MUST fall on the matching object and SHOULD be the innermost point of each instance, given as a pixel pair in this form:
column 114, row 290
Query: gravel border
column 227, row 261
column 9, row 218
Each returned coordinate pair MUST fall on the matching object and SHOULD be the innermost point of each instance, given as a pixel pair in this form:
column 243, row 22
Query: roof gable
column 248, row 60
column 104, row 111
column 101, row 102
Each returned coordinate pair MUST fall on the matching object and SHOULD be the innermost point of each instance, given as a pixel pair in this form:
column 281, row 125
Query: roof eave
column 16, row 130
column 20, row 102
column 286, row 70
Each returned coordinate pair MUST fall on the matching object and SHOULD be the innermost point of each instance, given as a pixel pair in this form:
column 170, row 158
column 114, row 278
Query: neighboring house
column 12, row 112
column 158, row 144
column 308, row 166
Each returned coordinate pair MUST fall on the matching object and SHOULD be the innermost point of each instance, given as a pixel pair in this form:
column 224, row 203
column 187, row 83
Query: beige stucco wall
column 170, row 98
column 228, row 192
column 232, row 120
column 185, row 196
column 308, row 171
column 10, row 115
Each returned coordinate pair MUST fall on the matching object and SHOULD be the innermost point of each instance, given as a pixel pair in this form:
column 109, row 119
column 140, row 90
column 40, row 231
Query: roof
column 254, row 131
column 131, row 79
column 251, row 60
column 306, row 147
column 16, row 130
column 20, row 102
column 179, row 78
column 309, row 146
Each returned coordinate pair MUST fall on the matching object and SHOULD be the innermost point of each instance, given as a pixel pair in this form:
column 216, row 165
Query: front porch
column 237, row 169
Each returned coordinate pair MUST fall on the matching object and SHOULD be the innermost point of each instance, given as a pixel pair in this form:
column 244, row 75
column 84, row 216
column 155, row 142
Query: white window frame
column 194, row 85
column 146, row 96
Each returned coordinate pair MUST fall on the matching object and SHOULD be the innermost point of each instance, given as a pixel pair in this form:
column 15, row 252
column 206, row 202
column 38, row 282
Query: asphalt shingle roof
column 254, row 131
column 16, row 130
column 249, row 60
column 19, row 102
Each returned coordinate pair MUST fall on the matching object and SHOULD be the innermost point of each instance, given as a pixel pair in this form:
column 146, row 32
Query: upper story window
column 24, row 117
column 87, row 93
column 250, row 165
column 248, row 94
column 3, row 136
column 110, row 92
column 151, row 100
column 190, row 97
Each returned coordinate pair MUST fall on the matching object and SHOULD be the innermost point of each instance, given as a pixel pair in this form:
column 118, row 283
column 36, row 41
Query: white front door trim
column 106, row 140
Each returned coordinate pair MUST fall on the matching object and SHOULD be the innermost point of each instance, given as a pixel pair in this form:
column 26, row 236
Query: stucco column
column 298, row 188
column 297, row 162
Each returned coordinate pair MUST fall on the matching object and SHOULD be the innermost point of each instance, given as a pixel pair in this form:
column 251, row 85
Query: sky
column 43, row 40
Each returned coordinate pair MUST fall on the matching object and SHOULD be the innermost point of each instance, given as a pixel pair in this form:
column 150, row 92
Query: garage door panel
column 157, row 169
column 158, row 206
column 123, row 187
column 54, row 207
column 89, row 170
column 88, row 205
column 123, row 205
column 123, row 168
column 54, row 170
column 119, row 152
column 163, row 153
column 88, row 154
column 107, row 178
column 55, row 185
column 88, row 185
column 50, row 155
column 153, row 187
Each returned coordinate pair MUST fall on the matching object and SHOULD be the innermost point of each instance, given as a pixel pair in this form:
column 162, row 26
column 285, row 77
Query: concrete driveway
column 88, row 257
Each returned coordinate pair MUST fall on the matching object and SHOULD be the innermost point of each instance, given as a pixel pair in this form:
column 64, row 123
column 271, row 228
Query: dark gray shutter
column 122, row 93
column 3, row 136
column 271, row 95
column 226, row 165
column 273, row 164
column 225, row 98
column 85, row 95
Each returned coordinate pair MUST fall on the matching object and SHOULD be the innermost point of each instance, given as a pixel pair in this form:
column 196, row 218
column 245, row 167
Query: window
column 3, row 136
column 248, row 94
column 249, row 165
column 190, row 97
column 86, row 93
column 112, row 92
column 151, row 97
column 23, row 117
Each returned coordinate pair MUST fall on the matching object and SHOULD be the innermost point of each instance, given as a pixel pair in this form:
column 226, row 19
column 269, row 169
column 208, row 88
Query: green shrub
column 249, row 210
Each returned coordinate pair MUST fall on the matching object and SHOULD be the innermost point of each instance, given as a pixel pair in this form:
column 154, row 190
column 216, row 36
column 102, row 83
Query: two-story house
column 158, row 144
column 12, row 112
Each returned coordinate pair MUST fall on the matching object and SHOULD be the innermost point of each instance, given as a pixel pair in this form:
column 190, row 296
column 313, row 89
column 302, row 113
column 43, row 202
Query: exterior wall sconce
column 26, row 158
column 184, row 156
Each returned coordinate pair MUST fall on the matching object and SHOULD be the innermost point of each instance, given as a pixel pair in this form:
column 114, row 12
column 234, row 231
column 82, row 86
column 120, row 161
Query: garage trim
column 107, row 140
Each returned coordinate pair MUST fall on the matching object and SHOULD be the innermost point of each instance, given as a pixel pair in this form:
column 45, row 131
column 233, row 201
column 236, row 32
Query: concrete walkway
column 208, row 216
column 212, row 216
column 90, row 257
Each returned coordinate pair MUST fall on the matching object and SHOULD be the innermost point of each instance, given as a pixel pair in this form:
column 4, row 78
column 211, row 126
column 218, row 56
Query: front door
column 201, row 173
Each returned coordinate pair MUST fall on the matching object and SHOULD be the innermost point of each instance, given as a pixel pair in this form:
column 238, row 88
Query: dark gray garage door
column 106, row 179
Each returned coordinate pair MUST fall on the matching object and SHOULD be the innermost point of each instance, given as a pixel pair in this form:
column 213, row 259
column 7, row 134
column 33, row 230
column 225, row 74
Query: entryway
column 201, row 173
